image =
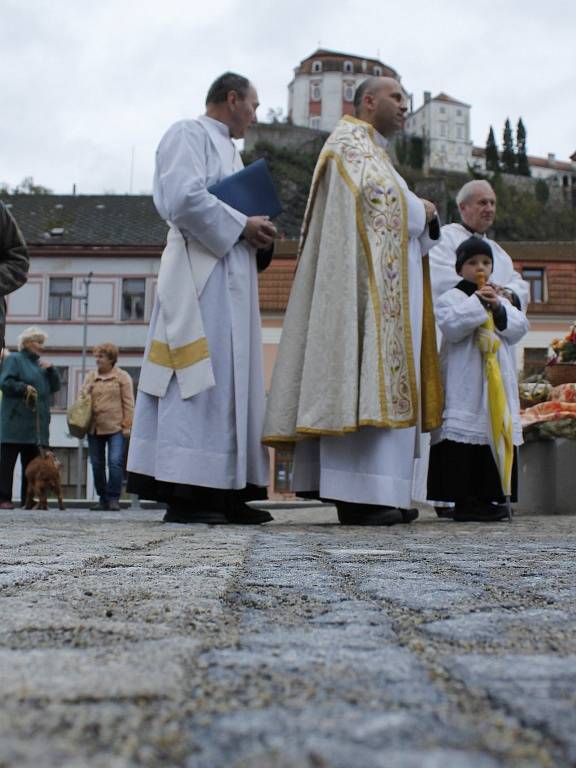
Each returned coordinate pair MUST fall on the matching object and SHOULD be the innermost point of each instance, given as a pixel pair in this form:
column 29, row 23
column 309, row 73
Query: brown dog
column 42, row 475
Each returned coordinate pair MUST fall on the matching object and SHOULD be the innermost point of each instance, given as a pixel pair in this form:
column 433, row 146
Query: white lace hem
column 468, row 438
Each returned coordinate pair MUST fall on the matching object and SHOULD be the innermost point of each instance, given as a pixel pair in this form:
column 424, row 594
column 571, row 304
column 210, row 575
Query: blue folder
column 250, row 191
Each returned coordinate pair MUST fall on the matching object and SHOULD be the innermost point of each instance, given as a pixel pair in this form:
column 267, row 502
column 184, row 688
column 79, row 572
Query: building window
column 458, row 112
column 349, row 92
column 535, row 278
column 442, row 129
column 60, row 298
column 377, row 71
column 133, row 297
column 442, row 110
column 460, row 132
column 534, row 360
column 283, row 462
column 315, row 123
column 134, row 373
column 60, row 398
column 316, row 66
column 315, row 92
column 348, row 67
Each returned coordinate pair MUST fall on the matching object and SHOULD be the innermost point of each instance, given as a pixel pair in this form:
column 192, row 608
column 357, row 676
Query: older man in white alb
column 477, row 205
column 200, row 407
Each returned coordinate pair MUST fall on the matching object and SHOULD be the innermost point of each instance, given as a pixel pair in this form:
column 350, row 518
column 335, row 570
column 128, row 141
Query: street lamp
column 83, row 297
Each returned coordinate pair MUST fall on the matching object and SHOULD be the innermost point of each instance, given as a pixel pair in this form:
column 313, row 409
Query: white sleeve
column 443, row 275
column 521, row 288
column 517, row 324
column 459, row 318
column 180, row 192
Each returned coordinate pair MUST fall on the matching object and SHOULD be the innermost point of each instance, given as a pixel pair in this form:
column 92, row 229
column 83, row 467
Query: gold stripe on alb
column 180, row 357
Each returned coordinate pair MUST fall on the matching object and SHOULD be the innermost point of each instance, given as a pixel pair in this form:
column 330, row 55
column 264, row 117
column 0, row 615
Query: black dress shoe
column 445, row 512
column 207, row 516
column 478, row 511
column 374, row 515
column 102, row 506
column 245, row 515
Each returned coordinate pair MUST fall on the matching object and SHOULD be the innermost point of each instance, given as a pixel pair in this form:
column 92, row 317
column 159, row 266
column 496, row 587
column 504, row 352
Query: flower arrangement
column 563, row 350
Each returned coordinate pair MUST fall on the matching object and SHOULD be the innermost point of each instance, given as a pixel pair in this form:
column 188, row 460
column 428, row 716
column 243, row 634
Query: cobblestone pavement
column 125, row 642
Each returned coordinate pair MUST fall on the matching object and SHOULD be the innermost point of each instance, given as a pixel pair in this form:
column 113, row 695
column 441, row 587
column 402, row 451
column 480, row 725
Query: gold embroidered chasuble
column 346, row 358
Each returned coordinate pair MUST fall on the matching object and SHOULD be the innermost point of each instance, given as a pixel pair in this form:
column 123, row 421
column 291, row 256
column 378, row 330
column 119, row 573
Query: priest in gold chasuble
column 357, row 378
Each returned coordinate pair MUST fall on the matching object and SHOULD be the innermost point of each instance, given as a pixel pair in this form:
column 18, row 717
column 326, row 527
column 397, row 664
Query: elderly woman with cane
column 26, row 382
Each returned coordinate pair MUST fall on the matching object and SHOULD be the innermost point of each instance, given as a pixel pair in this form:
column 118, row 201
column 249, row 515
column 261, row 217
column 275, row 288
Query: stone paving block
column 539, row 689
column 422, row 594
column 330, row 735
column 492, row 626
column 142, row 669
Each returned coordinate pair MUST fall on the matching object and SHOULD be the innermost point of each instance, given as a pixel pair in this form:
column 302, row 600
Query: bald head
column 477, row 204
column 381, row 102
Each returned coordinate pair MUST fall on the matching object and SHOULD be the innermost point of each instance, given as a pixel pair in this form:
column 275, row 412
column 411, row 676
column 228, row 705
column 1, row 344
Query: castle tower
column 324, row 85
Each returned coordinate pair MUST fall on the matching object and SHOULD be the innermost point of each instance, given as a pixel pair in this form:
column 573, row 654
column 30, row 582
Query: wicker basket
column 561, row 373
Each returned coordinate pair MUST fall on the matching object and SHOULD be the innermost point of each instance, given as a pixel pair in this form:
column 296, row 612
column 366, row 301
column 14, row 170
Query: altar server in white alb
column 356, row 377
column 477, row 206
column 195, row 442
column 462, row 469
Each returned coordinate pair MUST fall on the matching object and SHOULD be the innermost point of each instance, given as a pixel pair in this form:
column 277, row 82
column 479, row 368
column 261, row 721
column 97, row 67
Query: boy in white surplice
column 462, row 468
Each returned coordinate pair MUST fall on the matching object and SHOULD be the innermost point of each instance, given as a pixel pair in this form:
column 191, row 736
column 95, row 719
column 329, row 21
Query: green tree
column 508, row 154
column 27, row 187
column 417, row 151
column 521, row 156
column 492, row 158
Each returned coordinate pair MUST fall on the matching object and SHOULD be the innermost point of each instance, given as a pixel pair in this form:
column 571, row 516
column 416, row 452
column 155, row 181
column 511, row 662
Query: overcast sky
column 84, row 83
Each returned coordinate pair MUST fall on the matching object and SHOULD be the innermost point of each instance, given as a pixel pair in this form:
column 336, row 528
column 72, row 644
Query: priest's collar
column 382, row 141
column 472, row 231
column 376, row 137
column 220, row 127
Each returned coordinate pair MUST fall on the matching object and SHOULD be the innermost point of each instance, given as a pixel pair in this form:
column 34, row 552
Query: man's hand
column 506, row 292
column 259, row 231
column 430, row 209
column 489, row 296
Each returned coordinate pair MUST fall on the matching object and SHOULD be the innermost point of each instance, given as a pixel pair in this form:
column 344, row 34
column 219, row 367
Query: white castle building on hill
column 323, row 87
column 444, row 123
column 322, row 90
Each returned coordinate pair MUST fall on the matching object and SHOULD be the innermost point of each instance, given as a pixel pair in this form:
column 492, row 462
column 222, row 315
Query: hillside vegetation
column 521, row 215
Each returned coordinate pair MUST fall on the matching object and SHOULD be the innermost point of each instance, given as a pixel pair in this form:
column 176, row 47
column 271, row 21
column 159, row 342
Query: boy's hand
column 488, row 295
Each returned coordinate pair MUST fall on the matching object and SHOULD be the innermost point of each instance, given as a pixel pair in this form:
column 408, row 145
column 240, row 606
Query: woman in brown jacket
column 112, row 409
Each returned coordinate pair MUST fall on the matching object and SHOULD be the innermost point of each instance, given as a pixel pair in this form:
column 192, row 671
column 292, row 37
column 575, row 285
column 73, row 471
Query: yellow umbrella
column 501, row 429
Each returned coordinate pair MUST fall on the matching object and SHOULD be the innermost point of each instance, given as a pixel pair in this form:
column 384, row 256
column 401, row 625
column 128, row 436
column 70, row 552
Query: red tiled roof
column 543, row 162
column 538, row 162
column 449, row 99
column 322, row 52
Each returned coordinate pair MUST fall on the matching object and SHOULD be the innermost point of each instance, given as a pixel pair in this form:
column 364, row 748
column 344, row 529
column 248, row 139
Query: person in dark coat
column 14, row 262
column 26, row 382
